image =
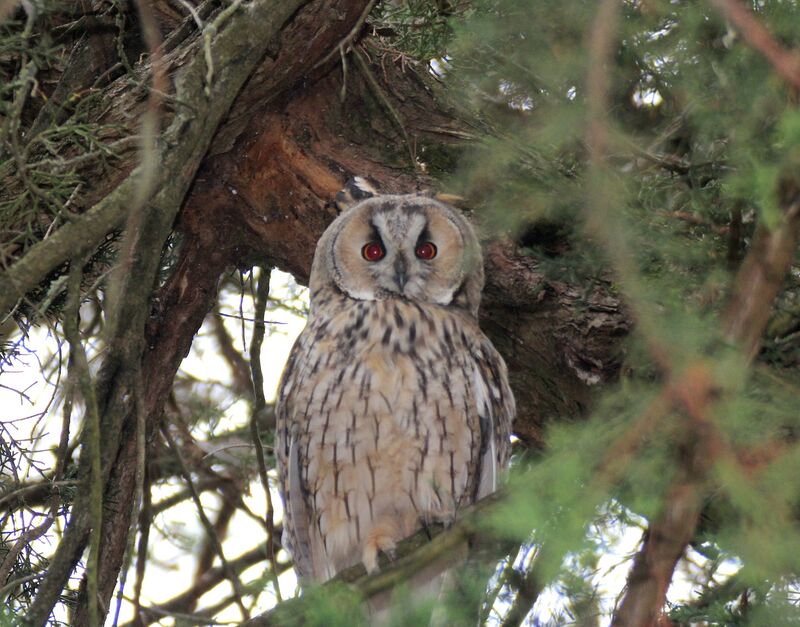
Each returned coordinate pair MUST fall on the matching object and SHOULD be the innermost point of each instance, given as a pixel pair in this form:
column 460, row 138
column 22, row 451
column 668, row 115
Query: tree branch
column 259, row 409
column 785, row 62
column 184, row 144
column 210, row 530
column 695, row 393
column 428, row 546
column 92, row 472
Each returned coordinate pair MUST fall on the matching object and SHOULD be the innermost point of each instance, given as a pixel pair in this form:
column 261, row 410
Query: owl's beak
column 400, row 275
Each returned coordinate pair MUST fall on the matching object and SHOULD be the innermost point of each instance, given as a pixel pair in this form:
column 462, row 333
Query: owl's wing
column 296, row 502
column 496, row 410
column 296, row 519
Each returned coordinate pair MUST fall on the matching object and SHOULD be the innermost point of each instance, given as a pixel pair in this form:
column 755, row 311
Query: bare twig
column 19, row 495
column 9, row 587
column 211, row 578
column 91, row 428
column 242, row 383
column 246, row 319
column 259, row 407
column 347, row 40
column 212, row 534
column 11, row 557
column 379, row 93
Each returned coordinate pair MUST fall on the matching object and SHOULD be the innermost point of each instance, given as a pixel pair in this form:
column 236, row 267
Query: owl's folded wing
column 298, row 512
column 496, row 409
column 296, row 517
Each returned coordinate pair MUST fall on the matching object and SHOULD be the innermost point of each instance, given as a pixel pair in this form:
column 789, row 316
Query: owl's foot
column 380, row 539
column 426, row 527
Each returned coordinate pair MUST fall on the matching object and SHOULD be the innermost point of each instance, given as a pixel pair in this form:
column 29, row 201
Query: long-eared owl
column 394, row 409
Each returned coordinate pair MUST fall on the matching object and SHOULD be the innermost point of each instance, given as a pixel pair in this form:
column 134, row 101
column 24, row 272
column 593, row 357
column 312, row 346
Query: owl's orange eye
column 426, row 251
column 373, row 251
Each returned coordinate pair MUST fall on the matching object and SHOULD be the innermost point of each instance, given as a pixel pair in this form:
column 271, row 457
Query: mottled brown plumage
column 394, row 409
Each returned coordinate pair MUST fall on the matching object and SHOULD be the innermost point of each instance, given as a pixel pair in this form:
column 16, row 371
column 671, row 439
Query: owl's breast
column 390, row 431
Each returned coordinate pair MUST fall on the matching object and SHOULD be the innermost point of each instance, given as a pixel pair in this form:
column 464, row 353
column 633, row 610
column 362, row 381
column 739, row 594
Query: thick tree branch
column 92, row 471
column 528, row 585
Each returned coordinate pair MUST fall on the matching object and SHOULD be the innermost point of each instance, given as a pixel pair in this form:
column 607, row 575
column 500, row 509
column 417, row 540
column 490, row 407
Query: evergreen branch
column 669, row 534
column 79, row 237
column 785, row 62
column 211, row 532
column 696, row 393
column 601, row 221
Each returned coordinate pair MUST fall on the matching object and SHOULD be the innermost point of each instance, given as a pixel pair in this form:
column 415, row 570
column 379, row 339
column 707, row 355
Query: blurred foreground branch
column 695, row 393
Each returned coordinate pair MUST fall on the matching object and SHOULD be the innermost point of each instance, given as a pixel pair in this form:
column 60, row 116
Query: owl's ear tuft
column 452, row 199
column 355, row 190
column 449, row 199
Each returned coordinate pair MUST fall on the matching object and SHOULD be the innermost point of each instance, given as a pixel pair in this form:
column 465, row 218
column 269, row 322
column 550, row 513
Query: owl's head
column 413, row 247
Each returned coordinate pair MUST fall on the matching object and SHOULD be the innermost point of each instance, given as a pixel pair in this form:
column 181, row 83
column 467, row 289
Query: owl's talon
column 426, row 528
